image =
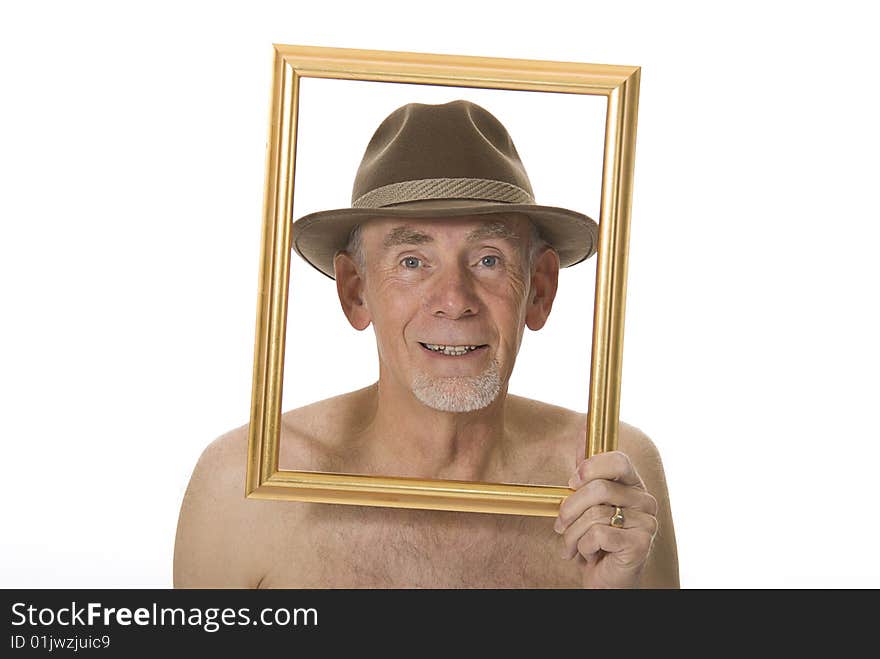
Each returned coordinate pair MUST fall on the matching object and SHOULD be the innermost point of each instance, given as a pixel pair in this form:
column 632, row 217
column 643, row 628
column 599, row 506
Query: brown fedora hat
column 449, row 160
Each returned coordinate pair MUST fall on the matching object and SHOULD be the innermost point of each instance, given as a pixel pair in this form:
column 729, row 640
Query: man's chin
column 458, row 393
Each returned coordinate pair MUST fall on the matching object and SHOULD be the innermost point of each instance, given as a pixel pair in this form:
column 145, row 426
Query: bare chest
column 363, row 547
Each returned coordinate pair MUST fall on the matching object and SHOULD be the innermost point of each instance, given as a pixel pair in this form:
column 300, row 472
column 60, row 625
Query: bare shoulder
column 562, row 433
column 221, row 534
column 639, row 446
column 224, row 539
column 201, row 546
column 661, row 570
column 536, row 415
column 556, row 421
column 543, row 420
column 318, row 436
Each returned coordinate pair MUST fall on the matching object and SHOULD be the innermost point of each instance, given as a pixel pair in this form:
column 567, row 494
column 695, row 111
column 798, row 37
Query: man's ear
column 542, row 291
column 350, row 288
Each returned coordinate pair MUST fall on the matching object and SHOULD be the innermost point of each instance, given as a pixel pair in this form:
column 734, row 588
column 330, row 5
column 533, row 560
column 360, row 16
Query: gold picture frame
column 620, row 86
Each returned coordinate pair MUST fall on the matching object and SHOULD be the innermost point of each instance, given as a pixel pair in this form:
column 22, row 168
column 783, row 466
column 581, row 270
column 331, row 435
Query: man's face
column 447, row 299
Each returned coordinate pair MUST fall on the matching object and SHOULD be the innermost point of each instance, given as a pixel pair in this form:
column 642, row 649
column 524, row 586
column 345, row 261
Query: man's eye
column 489, row 261
column 411, row 262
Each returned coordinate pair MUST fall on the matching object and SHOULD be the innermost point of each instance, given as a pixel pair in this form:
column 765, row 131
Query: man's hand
column 609, row 557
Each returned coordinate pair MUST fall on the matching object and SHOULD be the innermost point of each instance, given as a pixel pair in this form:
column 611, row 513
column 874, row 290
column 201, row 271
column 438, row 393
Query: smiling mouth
column 451, row 351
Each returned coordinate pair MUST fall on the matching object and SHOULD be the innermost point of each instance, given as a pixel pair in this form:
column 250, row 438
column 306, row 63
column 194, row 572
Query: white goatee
column 459, row 393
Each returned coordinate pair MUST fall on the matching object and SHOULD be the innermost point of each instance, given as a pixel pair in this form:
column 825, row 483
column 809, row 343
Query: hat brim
column 317, row 237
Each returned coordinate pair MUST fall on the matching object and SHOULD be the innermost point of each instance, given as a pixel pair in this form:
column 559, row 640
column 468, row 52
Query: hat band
column 443, row 188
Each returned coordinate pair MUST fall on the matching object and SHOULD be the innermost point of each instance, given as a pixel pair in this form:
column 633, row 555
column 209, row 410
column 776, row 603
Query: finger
column 632, row 519
column 598, row 492
column 611, row 465
column 600, row 514
column 629, row 547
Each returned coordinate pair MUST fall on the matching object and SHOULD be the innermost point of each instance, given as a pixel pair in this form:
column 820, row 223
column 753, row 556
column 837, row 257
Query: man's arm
column 661, row 569
column 213, row 547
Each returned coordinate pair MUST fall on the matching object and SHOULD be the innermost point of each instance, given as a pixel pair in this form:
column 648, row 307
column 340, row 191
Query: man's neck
column 403, row 436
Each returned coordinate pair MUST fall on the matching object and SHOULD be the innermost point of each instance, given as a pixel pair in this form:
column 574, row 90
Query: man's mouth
column 451, row 350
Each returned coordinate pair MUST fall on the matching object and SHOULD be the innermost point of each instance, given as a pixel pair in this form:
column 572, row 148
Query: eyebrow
column 406, row 235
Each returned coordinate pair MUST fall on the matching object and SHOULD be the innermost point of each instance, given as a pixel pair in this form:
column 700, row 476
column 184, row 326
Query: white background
column 132, row 167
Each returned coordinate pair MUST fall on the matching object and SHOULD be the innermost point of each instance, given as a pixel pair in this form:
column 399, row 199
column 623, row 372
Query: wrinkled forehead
column 385, row 233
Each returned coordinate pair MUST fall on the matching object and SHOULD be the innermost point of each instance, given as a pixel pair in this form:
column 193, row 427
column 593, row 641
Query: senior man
column 446, row 255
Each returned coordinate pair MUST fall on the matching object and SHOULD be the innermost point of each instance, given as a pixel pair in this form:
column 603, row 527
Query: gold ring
column 617, row 518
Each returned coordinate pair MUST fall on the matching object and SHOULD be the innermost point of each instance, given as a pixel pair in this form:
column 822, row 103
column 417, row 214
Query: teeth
column 450, row 350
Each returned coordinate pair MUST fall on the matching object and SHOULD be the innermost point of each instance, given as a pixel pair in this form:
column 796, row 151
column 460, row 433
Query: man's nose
column 452, row 294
